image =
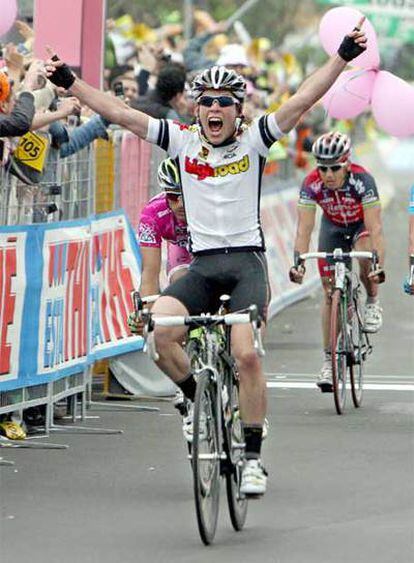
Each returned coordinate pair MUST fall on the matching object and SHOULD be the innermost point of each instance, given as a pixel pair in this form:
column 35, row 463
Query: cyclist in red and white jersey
column 351, row 219
column 220, row 162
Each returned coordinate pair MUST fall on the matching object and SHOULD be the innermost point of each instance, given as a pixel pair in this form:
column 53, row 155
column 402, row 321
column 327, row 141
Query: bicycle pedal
column 254, row 496
column 325, row 387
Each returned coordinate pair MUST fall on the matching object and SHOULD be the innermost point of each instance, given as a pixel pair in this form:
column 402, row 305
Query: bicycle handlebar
column 139, row 301
column 251, row 317
column 340, row 256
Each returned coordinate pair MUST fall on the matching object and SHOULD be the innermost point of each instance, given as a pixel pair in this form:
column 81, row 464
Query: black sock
column 253, row 440
column 188, row 386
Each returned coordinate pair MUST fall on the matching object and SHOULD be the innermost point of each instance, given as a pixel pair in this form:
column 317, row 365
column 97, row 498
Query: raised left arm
column 316, row 85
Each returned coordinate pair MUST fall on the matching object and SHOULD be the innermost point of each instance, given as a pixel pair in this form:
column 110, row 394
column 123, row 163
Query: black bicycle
column 350, row 345
column 218, row 441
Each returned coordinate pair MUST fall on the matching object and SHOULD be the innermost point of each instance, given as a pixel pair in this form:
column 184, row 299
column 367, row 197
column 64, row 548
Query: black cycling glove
column 349, row 49
column 63, row 75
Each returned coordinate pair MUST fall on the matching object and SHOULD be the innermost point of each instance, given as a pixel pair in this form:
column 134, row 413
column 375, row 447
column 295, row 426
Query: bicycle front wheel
column 235, row 452
column 338, row 351
column 356, row 370
column 206, row 456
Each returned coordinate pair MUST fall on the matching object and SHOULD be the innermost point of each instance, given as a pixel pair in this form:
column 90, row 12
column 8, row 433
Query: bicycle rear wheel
column 235, row 451
column 338, row 351
column 206, row 456
column 356, row 369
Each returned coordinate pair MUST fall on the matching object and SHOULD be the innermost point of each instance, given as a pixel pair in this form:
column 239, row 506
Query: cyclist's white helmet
column 168, row 177
column 332, row 147
column 219, row 78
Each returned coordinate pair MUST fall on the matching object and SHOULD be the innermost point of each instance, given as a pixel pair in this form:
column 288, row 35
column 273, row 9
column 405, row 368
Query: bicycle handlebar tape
column 349, row 49
column 63, row 75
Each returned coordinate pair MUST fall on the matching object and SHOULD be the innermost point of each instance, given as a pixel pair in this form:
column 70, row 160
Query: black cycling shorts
column 333, row 236
column 242, row 275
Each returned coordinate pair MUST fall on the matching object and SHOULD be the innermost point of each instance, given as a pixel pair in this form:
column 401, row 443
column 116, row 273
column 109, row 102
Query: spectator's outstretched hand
column 69, row 106
column 24, row 29
column 35, row 76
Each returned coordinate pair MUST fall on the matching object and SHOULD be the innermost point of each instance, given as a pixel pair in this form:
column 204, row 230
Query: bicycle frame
column 346, row 353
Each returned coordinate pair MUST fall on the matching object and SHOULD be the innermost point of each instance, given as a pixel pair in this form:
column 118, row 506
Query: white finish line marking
column 367, row 386
column 290, row 383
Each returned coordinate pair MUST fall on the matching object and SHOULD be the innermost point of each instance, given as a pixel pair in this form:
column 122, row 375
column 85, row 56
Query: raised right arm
column 112, row 108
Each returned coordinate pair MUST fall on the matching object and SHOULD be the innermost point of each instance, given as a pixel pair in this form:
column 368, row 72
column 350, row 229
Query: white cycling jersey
column 221, row 185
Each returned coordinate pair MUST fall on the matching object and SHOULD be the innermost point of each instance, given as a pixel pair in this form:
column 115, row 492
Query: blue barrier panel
column 65, row 295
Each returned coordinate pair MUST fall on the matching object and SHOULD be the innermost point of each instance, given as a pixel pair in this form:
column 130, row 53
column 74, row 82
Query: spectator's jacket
column 70, row 142
column 194, row 57
column 18, row 122
column 152, row 105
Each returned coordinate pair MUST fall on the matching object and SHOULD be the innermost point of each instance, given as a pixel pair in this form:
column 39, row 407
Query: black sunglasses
column 334, row 167
column 223, row 101
column 173, row 197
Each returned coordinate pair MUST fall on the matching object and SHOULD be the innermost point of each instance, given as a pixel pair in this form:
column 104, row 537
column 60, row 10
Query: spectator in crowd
column 125, row 87
column 234, row 56
column 168, row 99
column 16, row 116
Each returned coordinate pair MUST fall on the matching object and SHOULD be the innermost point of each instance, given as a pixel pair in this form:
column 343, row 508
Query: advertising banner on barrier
column 65, row 295
column 279, row 217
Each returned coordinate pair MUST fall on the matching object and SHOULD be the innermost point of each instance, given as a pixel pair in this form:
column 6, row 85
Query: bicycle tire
column 206, row 473
column 338, row 351
column 234, row 436
column 356, row 370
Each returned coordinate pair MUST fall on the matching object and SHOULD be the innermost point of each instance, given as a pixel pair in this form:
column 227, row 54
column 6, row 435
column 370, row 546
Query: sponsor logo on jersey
column 147, row 234
column 204, row 152
column 204, row 170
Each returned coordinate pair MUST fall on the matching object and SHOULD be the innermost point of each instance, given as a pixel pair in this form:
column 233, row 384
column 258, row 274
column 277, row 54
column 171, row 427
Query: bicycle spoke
column 360, row 349
column 339, row 351
column 235, row 450
column 206, row 457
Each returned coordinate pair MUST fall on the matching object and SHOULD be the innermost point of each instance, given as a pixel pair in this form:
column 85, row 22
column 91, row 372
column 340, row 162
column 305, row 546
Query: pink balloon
column 337, row 23
column 393, row 104
column 8, row 14
column 350, row 95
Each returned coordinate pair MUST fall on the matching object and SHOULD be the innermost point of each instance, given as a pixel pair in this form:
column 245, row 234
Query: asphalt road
column 340, row 489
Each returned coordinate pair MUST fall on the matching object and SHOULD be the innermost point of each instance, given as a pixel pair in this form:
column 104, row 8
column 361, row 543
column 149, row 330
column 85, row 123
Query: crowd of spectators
column 151, row 69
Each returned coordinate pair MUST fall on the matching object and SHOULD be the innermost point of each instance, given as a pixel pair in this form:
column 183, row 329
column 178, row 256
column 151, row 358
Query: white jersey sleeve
column 169, row 135
column 263, row 132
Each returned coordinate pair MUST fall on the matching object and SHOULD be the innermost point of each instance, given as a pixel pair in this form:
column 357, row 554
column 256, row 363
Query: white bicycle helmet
column 219, row 78
column 168, row 177
column 332, row 147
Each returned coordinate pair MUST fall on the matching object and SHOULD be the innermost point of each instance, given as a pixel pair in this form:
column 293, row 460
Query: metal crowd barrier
column 106, row 175
column 95, row 179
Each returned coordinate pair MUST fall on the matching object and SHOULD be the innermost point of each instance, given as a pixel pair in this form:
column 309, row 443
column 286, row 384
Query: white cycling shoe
column 253, row 479
column 372, row 317
column 188, row 424
column 324, row 381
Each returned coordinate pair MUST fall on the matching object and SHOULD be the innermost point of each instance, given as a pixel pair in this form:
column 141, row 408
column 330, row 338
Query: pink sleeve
column 148, row 233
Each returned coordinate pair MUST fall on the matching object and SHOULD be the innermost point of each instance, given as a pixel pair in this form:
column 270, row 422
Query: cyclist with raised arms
column 351, row 219
column 220, row 162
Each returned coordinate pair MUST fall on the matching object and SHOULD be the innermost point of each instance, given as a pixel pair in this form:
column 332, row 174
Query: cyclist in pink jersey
column 163, row 218
column 348, row 197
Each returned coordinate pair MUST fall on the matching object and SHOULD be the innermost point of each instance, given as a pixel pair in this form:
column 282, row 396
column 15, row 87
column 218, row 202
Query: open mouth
column 215, row 124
